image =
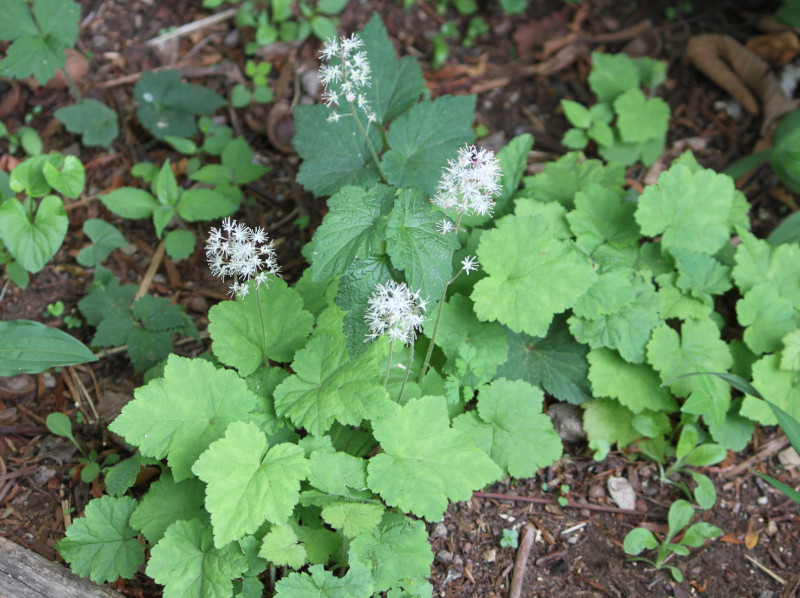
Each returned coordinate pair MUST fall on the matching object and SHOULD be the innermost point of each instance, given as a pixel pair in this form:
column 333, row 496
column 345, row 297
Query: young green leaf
column 423, row 139
column 768, row 317
column 696, row 535
column 249, row 482
column 758, row 262
column 205, row 204
column 130, row 202
column 518, row 255
column 180, row 415
column 418, row 474
column 511, row 428
column 608, row 421
column 322, row 390
column 780, row 387
column 67, row 178
column 612, row 75
column 236, row 327
column 353, row 518
column 638, row 540
column 122, row 476
column 281, row 547
column 396, row 553
column 187, row 563
column 689, row 210
column 636, row 386
column 319, row 583
column 102, row 545
column 179, row 244
column 639, row 118
column 33, row 243
column 705, row 494
column 577, row 114
column 700, row 274
column 105, row 239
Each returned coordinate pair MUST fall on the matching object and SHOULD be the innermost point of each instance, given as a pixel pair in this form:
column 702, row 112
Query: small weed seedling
column 680, row 515
column 510, row 538
column 60, row 425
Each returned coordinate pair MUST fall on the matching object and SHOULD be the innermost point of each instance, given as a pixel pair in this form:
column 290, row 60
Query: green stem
column 263, row 326
column 389, row 364
column 369, row 143
column 71, row 84
column 408, row 371
column 425, row 363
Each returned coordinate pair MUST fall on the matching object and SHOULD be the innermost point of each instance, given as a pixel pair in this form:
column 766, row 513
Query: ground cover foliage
column 320, row 434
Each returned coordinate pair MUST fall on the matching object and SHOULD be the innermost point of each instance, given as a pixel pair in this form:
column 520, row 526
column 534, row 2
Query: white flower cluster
column 394, row 310
column 241, row 252
column 468, row 184
column 347, row 77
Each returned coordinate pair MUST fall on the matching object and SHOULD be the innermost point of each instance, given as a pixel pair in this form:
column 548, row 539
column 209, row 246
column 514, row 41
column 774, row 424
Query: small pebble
column 490, row 556
column 763, row 500
column 444, row 556
column 439, row 531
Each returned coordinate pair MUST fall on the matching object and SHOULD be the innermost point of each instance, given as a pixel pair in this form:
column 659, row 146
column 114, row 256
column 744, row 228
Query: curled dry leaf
column 740, row 72
column 782, row 46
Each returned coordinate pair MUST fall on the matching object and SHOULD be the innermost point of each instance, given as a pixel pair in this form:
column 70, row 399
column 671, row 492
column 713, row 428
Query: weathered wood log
column 25, row 574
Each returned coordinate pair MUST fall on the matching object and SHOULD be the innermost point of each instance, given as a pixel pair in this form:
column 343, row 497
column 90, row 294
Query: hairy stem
column 263, row 326
column 369, row 143
column 408, row 371
column 389, row 364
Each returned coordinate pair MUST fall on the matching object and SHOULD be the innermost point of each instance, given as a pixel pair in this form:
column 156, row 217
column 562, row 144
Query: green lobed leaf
column 556, row 363
column 281, row 547
column 779, row 387
column 355, row 224
column 636, row 386
column 767, row 316
column 698, row 348
column 355, row 287
column 600, row 216
column 425, row 462
column 31, row 347
column 416, row 247
column 609, row 421
column 510, row 427
column 353, row 518
column 188, row 565
column 236, row 329
column 626, row 329
column 319, row 583
column 106, row 296
column 167, row 502
column 327, row 387
column 33, row 243
column 424, row 138
column 105, row 239
column 689, row 210
column 396, row 553
column 518, row 255
column 180, row 415
column 102, row 545
column 17, row 22
column 700, row 274
column 248, row 482
column 612, row 75
column 148, row 348
column 334, row 155
column 639, row 118
column 758, row 262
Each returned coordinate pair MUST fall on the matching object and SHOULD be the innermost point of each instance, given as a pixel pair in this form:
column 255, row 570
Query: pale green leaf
column 779, row 387
column 600, row 216
column 236, row 327
column 608, row 421
column 511, row 427
column 425, row 462
column 166, row 502
column 612, row 75
column 33, row 243
column 518, row 255
column 639, row 118
column 636, row 386
column 767, row 316
column 32, row 347
column 700, row 274
column 281, row 547
column 758, row 262
column 188, row 565
column 319, row 583
column 130, row 202
column 249, row 482
column 179, row 415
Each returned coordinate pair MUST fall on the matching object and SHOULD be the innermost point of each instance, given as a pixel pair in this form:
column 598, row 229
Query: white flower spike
column 243, row 253
column 394, row 310
column 470, row 182
column 469, row 263
column 348, row 77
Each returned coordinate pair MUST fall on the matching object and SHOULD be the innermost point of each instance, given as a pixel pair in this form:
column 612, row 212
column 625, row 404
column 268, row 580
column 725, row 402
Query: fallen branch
column 551, row 501
column 521, row 562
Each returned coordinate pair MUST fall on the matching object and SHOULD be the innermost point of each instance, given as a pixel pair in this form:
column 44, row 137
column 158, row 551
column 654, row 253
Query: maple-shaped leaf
column 166, row 502
column 600, row 216
column 319, row 583
column 689, row 210
column 179, row 415
column 102, row 545
column 249, row 482
column 527, row 267
column 636, row 386
column 768, row 317
column 781, row 387
column 608, row 421
column 557, row 363
column 700, row 274
column 236, row 327
column 282, row 547
column 326, row 387
column 188, row 565
column 396, row 553
column 510, row 427
column 698, row 348
column 759, row 262
column 424, row 461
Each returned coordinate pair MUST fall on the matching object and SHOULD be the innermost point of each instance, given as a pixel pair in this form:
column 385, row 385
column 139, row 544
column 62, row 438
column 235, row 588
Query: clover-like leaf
column 179, row 415
column 425, row 462
column 323, row 390
column 526, row 266
column 188, row 565
column 510, row 427
column 102, row 545
column 236, row 327
column 249, row 482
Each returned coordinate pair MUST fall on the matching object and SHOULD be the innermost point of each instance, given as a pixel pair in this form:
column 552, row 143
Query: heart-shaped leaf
column 33, row 243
